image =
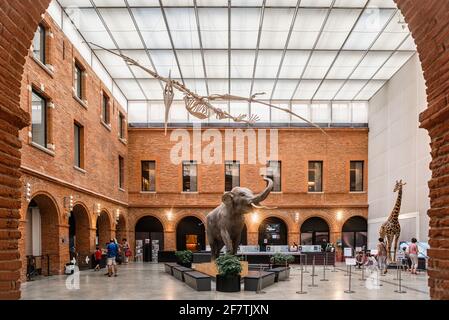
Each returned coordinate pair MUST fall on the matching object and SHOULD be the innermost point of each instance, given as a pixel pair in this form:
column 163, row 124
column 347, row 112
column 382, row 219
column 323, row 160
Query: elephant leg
column 235, row 245
column 227, row 241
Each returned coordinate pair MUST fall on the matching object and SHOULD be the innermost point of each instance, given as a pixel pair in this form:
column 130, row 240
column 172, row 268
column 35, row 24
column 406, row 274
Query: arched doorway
column 244, row 236
column 272, row 231
column 190, row 234
column 149, row 233
column 79, row 235
column 42, row 236
column 314, row 231
column 103, row 232
column 355, row 233
column 120, row 229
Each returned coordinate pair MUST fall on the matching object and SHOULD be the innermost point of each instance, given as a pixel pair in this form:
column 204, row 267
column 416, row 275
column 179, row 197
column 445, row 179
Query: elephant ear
column 227, row 198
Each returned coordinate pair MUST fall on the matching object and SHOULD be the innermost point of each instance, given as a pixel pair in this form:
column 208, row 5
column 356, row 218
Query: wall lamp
column 296, row 217
column 97, row 209
column 339, row 215
column 68, row 204
column 255, row 217
column 169, row 215
column 28, row 191
column 117, row 215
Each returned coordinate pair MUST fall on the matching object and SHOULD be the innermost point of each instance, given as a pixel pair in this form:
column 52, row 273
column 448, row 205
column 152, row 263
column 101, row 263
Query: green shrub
column 185, row 256
column 228, row 265
column 279, row 258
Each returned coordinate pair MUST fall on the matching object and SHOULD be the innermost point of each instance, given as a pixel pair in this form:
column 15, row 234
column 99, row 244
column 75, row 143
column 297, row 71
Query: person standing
column 98, row 255
column 413, row 254
column 112, row 249
column 382, row 256
column 126, row 251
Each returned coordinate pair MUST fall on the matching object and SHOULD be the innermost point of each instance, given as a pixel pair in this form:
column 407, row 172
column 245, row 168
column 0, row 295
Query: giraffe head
column 399, row 185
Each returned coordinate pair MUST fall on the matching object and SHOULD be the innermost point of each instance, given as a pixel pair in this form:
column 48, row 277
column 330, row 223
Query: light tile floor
column 149, row 281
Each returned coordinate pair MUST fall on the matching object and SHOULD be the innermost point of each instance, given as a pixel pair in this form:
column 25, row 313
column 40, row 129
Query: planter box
column 185, row 265
column 197, row 280
column 282, row 273
column 178, row 272
column 169, row 267
column 228, row 283
column 258, row 280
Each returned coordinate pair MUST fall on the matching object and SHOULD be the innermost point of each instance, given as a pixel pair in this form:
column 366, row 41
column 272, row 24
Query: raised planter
column 258, row 280
column 282, row 273
column 178, row 272
column 228, row 283
column 169, row 267
column 197, row 280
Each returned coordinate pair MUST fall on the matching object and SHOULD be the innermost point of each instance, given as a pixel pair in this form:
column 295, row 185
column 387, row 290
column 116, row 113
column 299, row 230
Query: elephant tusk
column 262, row 207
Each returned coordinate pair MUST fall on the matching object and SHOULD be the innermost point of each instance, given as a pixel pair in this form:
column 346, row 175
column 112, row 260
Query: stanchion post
column 305, row 265
column 324, row 268
column 313, row 275
column 259, row 284
column 349, row 289
column 301, row 291
column 399, row 290
column 335, row 269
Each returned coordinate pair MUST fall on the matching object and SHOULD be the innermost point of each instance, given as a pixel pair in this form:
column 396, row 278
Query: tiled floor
column 149, row 281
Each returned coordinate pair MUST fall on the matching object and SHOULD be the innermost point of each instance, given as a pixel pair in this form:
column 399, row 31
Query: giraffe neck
column 397, row 207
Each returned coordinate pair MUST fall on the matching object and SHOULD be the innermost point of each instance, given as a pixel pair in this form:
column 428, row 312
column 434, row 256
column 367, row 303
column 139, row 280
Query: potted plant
column 184, row 258
column 228, row 277
column 281, row 260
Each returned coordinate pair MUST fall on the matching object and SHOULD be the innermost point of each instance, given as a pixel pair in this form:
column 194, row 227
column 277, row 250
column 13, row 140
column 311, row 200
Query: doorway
column 149, row 234
column 190, row 234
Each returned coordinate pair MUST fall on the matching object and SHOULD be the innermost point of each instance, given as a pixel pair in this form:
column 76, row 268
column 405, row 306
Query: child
column 98, row 254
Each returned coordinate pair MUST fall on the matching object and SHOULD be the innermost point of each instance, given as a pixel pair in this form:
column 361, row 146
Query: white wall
column 398, row 149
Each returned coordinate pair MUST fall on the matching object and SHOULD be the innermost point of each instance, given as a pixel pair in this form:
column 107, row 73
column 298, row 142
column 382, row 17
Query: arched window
column 190, row 234
column 354, row 233
column 314, row 231
column 272, row 231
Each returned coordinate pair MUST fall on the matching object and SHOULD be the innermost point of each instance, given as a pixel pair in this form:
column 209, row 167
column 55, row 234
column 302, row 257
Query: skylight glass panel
column 216, row 63
column 396, row 61
column 197, row 85
column 263, row 86
column 101, row 73
column 276, row 24
column 281, row 3
column 409, row 44
column 320, row 112
column 316, row 3
column 245, row 3
column 240, row 87
column 268, row 63
column 306, row 89
column 165, row 62
column 211, row 3
column 389, row 41
column 337, row 28
column 214, row 27
column 152, row 88
column 350, row 3
column 137, row 112
column 279, row 116
column 370, row 64
column 370, row 90
column 128, row 40
column 239, row 108
column 115, row 65
column 284, row 89
column 262, row 111
column 350, row 89
column 175, row 3
column 130, row 89
column 100, row 38
column 109, row 3
column 152, row 27
column 75, row 3
column 368, row 27
column 319, row 64
column 294, row 64
column 183, row 28
column 191, row 63
column 156, row 112
column 307, row 28
column 341, row 112
column 87, row 20
column 359, row 112
column 328, row 89
column 178, row 112
column 381, row 4
column 218, row 86
column 244, row 27
column 143, row 3
column 301, row 109
column 242, row 63
column 345, row 64
column 117, row 19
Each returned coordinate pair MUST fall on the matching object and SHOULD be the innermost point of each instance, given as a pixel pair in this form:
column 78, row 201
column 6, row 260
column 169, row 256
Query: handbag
column 128, row 253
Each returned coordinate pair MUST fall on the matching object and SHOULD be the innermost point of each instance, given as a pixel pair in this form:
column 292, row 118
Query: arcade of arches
column 46, row 217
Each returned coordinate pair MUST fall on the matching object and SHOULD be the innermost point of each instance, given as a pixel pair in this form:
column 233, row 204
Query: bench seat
column 197, row 280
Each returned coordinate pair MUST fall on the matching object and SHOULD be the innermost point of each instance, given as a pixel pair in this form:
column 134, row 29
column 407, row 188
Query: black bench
column 282, row 273
column 197, row 280
column 169, row 267
column 199, row 257
column 258, row 280
column 178, row 272
column 257, row 267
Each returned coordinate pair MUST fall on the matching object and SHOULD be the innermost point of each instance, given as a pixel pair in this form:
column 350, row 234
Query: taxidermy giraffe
column 391, row 229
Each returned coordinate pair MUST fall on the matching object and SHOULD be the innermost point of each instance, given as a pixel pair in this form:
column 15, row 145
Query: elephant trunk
column 264, row 194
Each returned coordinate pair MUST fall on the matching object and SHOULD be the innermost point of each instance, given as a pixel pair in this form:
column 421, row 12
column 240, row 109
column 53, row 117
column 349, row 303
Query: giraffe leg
column 395, row 246
column 388, row 245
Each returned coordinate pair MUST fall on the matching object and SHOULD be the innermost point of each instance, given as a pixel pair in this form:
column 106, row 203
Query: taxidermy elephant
column 225, row 223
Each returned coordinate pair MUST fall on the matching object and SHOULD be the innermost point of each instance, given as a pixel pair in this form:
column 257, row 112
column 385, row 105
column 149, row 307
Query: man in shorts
column 112, row 249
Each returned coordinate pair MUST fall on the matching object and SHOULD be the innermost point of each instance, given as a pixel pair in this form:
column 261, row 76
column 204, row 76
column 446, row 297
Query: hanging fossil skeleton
column 200, row 106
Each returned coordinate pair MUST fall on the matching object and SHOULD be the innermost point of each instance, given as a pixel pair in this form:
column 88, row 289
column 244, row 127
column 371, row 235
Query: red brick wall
column 429, row 25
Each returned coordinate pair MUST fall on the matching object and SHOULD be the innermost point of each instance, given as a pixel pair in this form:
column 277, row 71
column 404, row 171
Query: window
column 189, row 176
column 356, row 176
column 149, row 176
column 121, row 126
column 274, row 173
column 78, row 81
column 39, row 119
column 105, row 109
column 232, row 175
column 121, row 172
column 78, row 145
column 39, row 44
column 315, row 176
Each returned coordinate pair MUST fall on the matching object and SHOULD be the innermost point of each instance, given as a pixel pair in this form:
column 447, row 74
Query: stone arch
column 279, row 235
column 121, row 228
column 354, row 232
column 190, row 233
column 190, row 214
column 41, row 236
column 314, row 230
column 149, row 227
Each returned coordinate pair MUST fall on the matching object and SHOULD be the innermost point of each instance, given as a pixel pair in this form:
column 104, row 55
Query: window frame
column 189, row 162
column 44, row 105
column 362, row 175
column 321, row 175
column 78, row 163
column 121, row 172
column 78, row 80
column 271, row 176
column 231, row 162
column 105, row 109
column 42, row 29
column 142, row 177
column 121, row 126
